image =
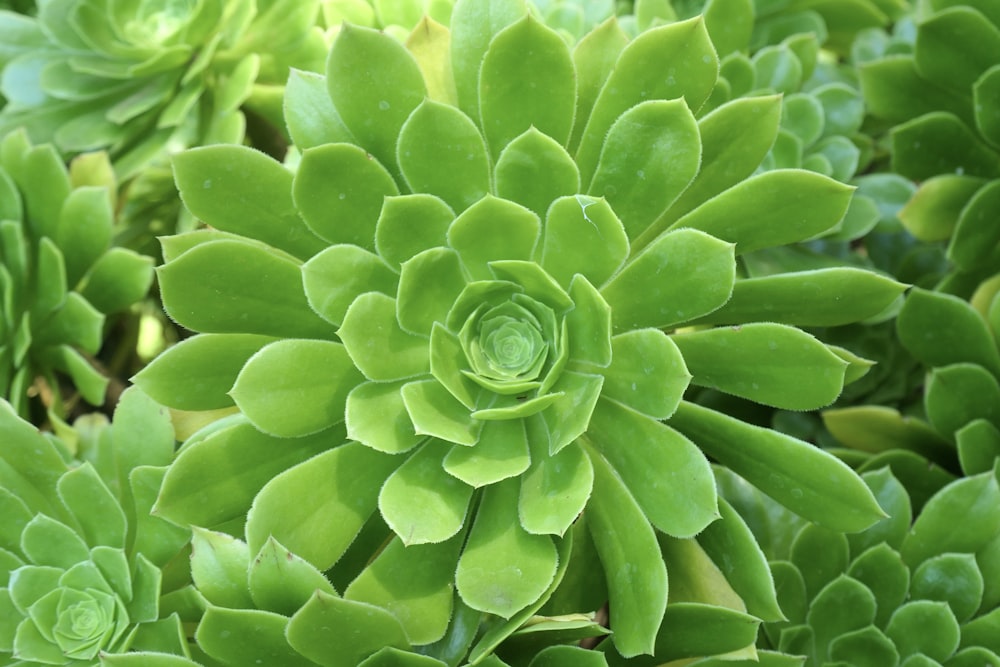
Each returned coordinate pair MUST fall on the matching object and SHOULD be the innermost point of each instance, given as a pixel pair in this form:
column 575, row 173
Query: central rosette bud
column 510, row 349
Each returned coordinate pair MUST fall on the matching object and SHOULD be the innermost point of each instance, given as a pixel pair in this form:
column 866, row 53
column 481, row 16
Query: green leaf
column 473, row 25
column 894, row 90
column 684, row 48
column 985, row 96
column 966, row 339
column 376, row 417
column 555, row 489
column 940, row 143
column 924, row 627
column 198, row 372
column 414, row 583
column 435, row 412
column 882, row 570
column 951, row 578
column 339, row 190
column 567, row 417
column 976, row 499
column 317, row 631
column 958, row 394
column 243, row 636
column 493, row 229
column 214, row 479
column 581, row 227
column 821, row 556
column 336, row 276
column 118, row 279
column 317, row 508
column 281, row 582
column 978, row 446
column 843, row 606
column 933, row 212
column 567, row 656
column 765, row 363
column 894, row 499
column 84, row 229
column 243, row 191
column 807, row 480
column 292, row 388
column 373, row 108
column 534, row 170
column 309, row 113
column 502, row 452
column 429, row 284
column 668, row 476
column 441, row 152
column 101, row 519
column 526, row 80
column 955, row 46
column 680, row 276
column 974, row 238
column 377, row 345
column 234, row 287
column 650, row 155
column 421, row 502
column 647, row 373
column 394, row 657
column 982, row 631
column 875, row 428
column 503, row 568
column 823, row 297
column 219, row 565
column 633, row 565
column 430, row 44
column 145, row 659
column 595, row 56
column 778, row 69
column 409, row 224
column 771, row 209
column 47, row 542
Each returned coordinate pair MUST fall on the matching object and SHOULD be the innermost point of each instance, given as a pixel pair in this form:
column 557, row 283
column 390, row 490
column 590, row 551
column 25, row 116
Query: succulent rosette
column 495, row 267
column 914, row 589
column 142, row 78
column 83, row 562
column 60, row 273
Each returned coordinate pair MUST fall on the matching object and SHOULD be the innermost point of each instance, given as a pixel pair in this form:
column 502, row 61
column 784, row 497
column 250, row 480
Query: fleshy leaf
column 804, row 478
column 581, row 226
column 951, row 578
column 219, row 565
column 526, row 80
column 376, row 417
column 374, row 108
column 409, row 224
column 924, row 627
column 281, row 582
column 764, row 362
column 317, row 508
column 243, row 191
column 682, row 275
column 377, row 345
column 502, row 452
column 242, row 636
column 493, row 229
column 429, row 284
column 441, row 152
column 434, row 411
column 669, row 477
column 309, row 113
column 651, row 154
column 421, row 502
column 334, row 277
column 647, row 373
column 339, row 190
column 503, row 568
column 555, row 489
column 958, row 394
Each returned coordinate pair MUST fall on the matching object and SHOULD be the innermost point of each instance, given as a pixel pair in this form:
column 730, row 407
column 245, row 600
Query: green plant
column 495, row 284
column 85, row 567
column 59, row 273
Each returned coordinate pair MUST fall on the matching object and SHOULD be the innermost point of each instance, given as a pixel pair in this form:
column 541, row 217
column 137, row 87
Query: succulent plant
column 141, row 79
column 495, row 274
column 894, row 594
column 85, row 566
column 59, row 273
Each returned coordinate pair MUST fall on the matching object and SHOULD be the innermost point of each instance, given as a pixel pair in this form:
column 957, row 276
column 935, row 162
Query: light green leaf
column 934, row 210
column 650, row 155
column 633, row 564
column 503, row 568
column 951, row 578
column 668, row 476
column 377, row 345
column 421, row 502
column 281, row 582
column 845, row 605
column 292, row 388
column 771, row 209
column 413, row 582
column 243, row 636
column 233, row 287
column 824, row 297
column 373, row 107
column 683, row 48
column 317, row 631
column 502, row 452
column 493, row 229
column 647, row 373
column 765, row 363
column 214, row 480
column 588, row 324
column 975, row 239
column 526, row 80
column 317, row 508
column 568, row 416
column 309, row 113
column 534, row 171
column 955, row 46
column 594, row 56
column 47, row 542
column 435, row 412
column 430, row 44
column 429, row 284
column 680, row 276
column 924, row 627
column 219, row 565
column 145, row 659
column 376, row 417
column 441, row 152
column 84, row 229
column 875, row 428
column 409, row 224
column 243, row 191
column 339, row 190
column 102, row 521
column 334, row 277
column 804, row 478
column 555, row 489
column 198, row 372
column 958, row 394
column 581, row 227
column 939, row 143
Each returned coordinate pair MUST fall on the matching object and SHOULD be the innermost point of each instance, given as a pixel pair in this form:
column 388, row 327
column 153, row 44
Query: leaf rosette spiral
column 496, row 267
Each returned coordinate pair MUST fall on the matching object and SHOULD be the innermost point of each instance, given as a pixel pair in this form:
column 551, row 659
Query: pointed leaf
column 434, row 411
column 534, row 170
column 281, row 582
column 429, row 284
column 376, row 417
column 493, row 229
column 409, row 224
column 334, row 277
column 219, row 565
column 243, row 636
column 377, row 345
column 317, row 631
column 583, row 228
column 555, row 489
column 924, row 627
column 966, row 339
column 309, row 113
column 647, row 373
column 502, row 452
